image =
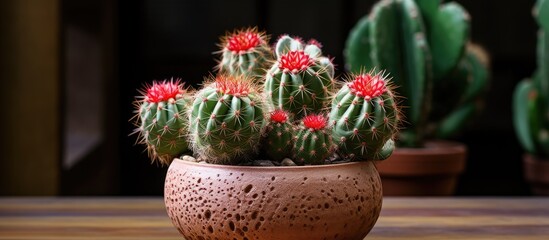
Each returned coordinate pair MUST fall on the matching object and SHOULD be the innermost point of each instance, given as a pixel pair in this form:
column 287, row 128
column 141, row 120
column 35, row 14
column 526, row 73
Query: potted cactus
column 297, row 116
column 425, row 46
column 531, row 110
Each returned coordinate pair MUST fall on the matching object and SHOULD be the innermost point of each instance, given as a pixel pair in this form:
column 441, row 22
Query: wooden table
column 401, row 218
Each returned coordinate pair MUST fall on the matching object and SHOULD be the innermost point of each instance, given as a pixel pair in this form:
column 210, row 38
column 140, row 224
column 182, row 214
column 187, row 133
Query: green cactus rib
column 524, row 116
column 300, row 91
column 164, row 128
column 251, row 62
column 362, row 127
column 312, row 147
column 225, row 128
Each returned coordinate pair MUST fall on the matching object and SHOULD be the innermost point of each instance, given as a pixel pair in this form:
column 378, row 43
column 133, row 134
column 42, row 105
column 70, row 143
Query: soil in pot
column 338, row 201
column 429, row 171
column 536, row 172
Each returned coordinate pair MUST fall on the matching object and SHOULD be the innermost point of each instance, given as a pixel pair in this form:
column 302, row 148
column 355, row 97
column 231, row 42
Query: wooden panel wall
column 29, row 74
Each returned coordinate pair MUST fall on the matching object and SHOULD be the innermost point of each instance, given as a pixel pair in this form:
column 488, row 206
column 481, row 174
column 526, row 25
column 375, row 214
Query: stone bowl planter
column 338, row 201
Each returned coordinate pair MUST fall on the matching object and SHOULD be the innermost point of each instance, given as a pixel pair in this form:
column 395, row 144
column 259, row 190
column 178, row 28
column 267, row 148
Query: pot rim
column 177, row 162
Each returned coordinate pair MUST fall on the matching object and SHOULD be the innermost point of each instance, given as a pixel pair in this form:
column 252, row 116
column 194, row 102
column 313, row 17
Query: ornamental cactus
column 424, row 45
column 279, row 135
column 245, row 52
column 162, row 119
column 313, row 140
column 365, row 117
column 226, row 120
column 531, row 97
column 301, row 80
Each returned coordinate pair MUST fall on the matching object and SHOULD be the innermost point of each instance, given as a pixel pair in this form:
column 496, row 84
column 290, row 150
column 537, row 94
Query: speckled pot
column 340, row 201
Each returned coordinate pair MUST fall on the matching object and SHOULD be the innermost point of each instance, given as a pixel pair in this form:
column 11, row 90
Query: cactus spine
column 279, row 135
column 313, row 141
column 245, row 52
column 301, row 79
column 422, row 45
column 531, row 97
column 163, row 121
column 226, row 120
column 365, row 117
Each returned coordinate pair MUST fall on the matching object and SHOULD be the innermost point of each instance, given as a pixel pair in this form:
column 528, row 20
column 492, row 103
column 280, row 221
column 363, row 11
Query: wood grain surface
column 401, row 218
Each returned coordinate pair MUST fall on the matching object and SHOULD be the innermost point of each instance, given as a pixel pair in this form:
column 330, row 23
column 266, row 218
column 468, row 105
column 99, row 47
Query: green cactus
column 423, row 44
column 531, row 97
column 365, row 118
column 313, row 141
column 226, row 120
column 279, row 135
column 163, row 121
column 301, row 80
column 245, row 52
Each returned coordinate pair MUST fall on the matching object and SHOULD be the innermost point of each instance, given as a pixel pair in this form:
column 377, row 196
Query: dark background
column 144, row 40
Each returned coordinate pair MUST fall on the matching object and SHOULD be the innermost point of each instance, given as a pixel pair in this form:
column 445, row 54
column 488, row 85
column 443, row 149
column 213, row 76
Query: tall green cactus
column 531, row 97
column 301, row 80
column 365, row 118
column 423, row 44
column 162, row 119
column 245, row 52
column 226, row 120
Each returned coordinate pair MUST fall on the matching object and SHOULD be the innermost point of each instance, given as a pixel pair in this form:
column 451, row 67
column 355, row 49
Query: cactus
column 279, row 135
column 365, row 117
column 424, row 47
column 313, row 140
column 226, row 120
column 531, row 97
column 162, row 119
column 245, row 52
column 301, row 80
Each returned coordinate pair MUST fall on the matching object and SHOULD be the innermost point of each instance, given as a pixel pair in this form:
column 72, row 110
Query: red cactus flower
column 163, row 91
column 295, row 61
column 236, row 86
column 279, row 116
column 315, row 122
column 243, row 41
column 368, row 86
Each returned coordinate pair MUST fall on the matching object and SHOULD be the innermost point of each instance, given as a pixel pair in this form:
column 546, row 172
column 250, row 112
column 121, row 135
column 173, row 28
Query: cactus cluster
column 425, row 46
column 531, row 97
column 287, row 109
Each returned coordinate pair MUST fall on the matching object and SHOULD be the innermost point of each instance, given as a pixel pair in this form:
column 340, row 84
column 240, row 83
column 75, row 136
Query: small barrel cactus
column 226, row 120
column 245, row 52
column 424, row 45
column 365, row 117
column 531, row 97
column 163, row 121
column 301, row 80
column 313, row 140
column 279, row 135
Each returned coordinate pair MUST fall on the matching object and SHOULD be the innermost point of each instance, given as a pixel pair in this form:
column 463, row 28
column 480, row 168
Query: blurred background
column 69, row 71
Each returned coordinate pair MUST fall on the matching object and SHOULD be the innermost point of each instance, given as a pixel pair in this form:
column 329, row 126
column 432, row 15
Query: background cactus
column 162, row 119
column 313, row 140
column 424, row 47
column 531, row 97
column 301, row 80
column 245, row 52
column 226, row 120
column 365, row 117
column 279, row 135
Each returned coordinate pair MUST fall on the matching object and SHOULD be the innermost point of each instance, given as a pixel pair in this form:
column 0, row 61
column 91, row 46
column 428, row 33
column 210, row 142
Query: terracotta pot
column 429, row 171
column 536, row 172
column 340, row 201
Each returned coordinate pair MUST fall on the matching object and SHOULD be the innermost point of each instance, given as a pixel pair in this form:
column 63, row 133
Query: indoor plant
column 236, row 118
column 531, row 110
column 440, row 74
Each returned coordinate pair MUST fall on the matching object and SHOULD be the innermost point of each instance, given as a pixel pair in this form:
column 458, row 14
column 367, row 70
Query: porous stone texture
column 206, row 201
